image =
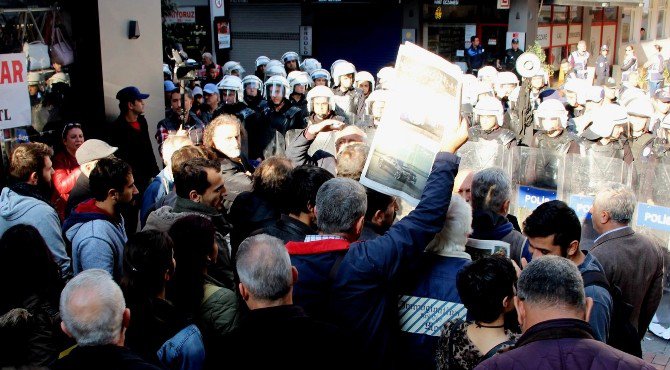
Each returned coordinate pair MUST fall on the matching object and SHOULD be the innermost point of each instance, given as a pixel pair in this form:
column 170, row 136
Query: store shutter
column 263, row 29
column 370, row 38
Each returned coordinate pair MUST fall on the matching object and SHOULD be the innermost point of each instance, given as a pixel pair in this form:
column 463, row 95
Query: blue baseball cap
column 169, row 86
column 130, row 93
column 210, row 89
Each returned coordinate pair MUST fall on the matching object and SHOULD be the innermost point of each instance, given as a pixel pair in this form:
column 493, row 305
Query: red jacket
column 66, row 172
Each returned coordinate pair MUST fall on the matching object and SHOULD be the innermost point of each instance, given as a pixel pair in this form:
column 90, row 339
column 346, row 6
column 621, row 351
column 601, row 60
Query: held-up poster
column 14, row 99
column 423, row 111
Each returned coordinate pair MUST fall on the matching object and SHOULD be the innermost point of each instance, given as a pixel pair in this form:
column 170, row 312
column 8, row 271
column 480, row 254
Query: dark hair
column 270, row 177
column 68, row 127
column 483, row 284
column 109, row 173
column 146, row 258
column 302, row 184
column 376, row 202
column 192, row 175
column 27, row 268
column 193, row 238
column 557, row 219
column 183, row 154
column 472, row 38
column 28, row 158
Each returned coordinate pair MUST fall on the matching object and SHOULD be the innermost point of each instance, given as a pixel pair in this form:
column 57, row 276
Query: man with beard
column 26, row 199
column 173, row 121
column 223, row 136
column 291, row 61
column 379, row 216
column 232, row 102
column 96, row 228
column 211, row 104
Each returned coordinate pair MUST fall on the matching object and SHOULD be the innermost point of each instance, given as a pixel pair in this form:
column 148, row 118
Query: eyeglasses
column 69, row 127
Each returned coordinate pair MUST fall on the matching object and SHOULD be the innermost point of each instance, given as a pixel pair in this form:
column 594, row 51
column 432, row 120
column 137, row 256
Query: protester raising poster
column 14, row 99
column 423, row 110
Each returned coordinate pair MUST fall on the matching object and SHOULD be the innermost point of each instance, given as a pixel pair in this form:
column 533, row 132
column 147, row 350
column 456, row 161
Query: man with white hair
column 434, row 286
column 491, row 198
column 274, row 323
column 553, row 313
column 94, row 313
column 631, row 261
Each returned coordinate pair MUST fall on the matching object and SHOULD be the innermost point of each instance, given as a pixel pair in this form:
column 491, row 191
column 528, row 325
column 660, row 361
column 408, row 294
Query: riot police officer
column 640, row 110
column 551, row 121
column 348, row 98
column 291, row 61
column 233, row 68
column 321, row 105
column 277, row 119
column 320, row 77
column 365, row 82
column 253, row 93
column 300, row 82
column 310, row 65
column 604, row 137
column 261, row 62
column 488, row 115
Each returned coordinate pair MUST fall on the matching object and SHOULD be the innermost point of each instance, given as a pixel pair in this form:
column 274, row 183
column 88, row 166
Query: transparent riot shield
column 536, row 174
column 582, row 178
column 653, row 195
column 477, row 155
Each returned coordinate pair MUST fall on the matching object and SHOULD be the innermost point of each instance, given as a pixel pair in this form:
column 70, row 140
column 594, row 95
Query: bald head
column 92, row 309
column 463, row 184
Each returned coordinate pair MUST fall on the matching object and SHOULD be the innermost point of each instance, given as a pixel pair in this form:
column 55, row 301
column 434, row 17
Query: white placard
column 543, row 36
column 559, row 35
column 14, row 99
column 516, row 35
column 184, row 14
column 503, row 4
column 217, row 8
column 306, row 40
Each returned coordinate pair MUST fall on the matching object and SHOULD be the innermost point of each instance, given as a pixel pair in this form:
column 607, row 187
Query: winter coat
column 66, row 172
column 105, row 357
column 426, row 302
column 562, row 344
column 159, row 187
column 365, row 296
column 97, row 239
column 287, row 229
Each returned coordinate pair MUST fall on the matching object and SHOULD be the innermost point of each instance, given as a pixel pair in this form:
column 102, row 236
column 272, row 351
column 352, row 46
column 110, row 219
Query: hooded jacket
column 22, row 209
column 97, row 239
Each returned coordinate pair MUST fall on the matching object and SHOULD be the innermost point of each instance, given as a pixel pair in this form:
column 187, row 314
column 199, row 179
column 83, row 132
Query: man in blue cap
column 130, row 133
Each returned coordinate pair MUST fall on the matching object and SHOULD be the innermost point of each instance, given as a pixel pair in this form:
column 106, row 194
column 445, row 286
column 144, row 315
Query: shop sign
column 559, row 35
column 15, row 102
column 445, row 2
column 575, row 33
column 503, row 4
column 543, row 36
column 305, row 40
column 181, row 15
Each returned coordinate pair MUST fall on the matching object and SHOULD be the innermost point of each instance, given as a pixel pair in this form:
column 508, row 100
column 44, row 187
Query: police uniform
column 602, row 70
column 271, row 136
column 497, row 136
column 351, row 103
column 509, row 61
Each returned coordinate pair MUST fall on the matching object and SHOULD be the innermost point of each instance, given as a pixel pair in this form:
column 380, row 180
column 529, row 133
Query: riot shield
column 653, row 207
column 583, row 176
column 477, row 155
column 536, row 174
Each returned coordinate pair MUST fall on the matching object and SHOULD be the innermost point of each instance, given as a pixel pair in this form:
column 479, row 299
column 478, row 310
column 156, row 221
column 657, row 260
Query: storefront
column 188, row 25
column 447, row 26
column 559, row 30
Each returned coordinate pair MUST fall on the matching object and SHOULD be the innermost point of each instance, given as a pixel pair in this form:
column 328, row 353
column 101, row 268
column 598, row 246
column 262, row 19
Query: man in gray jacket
column 631, row 261
column 26, row 199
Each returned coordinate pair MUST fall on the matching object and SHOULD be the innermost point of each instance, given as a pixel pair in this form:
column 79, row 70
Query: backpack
column 623, row 335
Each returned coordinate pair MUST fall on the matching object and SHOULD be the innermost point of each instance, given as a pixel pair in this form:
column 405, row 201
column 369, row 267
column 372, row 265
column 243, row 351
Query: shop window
column 645, row 21
column 545, row 14
column 610, row 14
column 576, row 14
column 560, row 14
column 625, row 26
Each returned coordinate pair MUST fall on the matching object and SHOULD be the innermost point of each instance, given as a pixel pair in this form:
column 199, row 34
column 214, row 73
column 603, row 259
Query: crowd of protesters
column 256, row 246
